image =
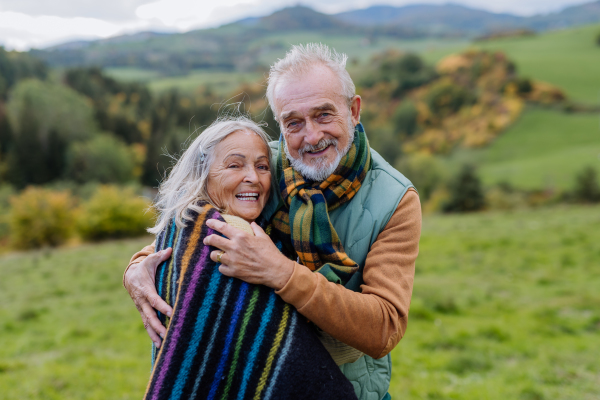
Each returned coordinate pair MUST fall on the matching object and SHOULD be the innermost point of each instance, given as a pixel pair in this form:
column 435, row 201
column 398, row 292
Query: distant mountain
column 588, row 13
column 453, row 18
column 234, row 46
column 436, row 19
column 229, row 47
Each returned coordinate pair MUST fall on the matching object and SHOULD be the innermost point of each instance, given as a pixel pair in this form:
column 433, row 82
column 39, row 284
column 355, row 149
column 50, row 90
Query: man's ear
column 355, row 109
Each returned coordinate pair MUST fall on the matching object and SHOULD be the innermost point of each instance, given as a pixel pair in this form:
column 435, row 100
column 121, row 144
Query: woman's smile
column 239, row 180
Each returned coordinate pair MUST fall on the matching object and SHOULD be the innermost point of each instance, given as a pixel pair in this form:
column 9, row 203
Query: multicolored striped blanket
column 229, row 339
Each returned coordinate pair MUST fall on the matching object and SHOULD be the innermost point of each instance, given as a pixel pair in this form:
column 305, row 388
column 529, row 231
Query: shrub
column 446, row 98
column 424, row 171
column 466, row 193
column 405, row 118
column 41, row 217
column 103, row 159
column 113, row 212
column 587, row 189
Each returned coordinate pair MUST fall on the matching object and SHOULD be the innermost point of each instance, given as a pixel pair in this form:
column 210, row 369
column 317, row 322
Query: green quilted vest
column 358, row 223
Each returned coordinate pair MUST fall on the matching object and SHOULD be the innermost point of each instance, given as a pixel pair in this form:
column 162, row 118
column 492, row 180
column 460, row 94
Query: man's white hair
column 188, row 181
column 300, row 59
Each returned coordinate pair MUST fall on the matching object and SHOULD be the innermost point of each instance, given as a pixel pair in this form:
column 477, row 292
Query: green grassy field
column 567, row 58
column 543, row 149
column 505, row 306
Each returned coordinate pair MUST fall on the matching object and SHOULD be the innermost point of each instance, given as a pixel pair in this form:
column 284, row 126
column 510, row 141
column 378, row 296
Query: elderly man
column 336, row 198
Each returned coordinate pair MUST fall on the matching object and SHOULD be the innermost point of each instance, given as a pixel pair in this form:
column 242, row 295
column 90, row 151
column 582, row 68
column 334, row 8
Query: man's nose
column 313, row 132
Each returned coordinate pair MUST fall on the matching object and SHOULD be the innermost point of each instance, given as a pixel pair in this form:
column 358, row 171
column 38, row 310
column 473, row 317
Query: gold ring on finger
column 219, row 256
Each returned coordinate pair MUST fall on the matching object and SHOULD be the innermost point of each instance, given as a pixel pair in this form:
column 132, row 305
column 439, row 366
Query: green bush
column 6, row 192
column 41, row 217
column 113, row 212
column 424, row 171
column 446, row 98
column 103, row 159
column 587, row 189
column 466, row 193
column 598, row 39
column 405, row 118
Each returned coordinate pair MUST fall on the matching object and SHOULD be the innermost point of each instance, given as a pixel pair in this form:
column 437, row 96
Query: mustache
column 322, row 144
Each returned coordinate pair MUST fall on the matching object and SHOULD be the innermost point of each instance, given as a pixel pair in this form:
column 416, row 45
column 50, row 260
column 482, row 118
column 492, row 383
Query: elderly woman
column 227, row 338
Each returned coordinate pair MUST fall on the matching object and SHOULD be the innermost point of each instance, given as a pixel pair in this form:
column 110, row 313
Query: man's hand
column 253, row 259
column 139, row 282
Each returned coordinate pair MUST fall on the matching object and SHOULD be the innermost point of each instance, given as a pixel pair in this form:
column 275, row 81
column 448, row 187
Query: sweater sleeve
column 374, row 320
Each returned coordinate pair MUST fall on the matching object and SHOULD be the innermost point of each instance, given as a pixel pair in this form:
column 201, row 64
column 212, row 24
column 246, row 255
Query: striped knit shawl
column 305, row 214
column 228, row 339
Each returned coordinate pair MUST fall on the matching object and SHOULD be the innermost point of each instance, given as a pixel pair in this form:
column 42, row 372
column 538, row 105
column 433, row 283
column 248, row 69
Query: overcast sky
column 39, row 23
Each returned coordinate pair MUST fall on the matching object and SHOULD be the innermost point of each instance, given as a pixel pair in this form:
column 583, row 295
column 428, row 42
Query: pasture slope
column 505, row 306
column 546, row 148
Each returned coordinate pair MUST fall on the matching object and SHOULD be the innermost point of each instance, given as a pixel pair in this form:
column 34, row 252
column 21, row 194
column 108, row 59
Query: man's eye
column 325, row 115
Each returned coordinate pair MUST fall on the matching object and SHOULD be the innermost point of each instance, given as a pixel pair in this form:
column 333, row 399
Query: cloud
column 20, row 31
column 186, row 14
column 110, row 10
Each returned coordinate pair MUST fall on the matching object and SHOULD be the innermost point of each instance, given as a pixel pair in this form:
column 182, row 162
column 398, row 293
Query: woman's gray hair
column 303, row 57
column 187, row 182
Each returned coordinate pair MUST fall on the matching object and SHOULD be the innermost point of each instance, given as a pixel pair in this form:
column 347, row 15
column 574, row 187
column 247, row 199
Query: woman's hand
column 253, row 259
column 139, row 282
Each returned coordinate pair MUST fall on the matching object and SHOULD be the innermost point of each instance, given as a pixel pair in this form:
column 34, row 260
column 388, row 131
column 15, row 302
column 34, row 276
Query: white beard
column 319, row 170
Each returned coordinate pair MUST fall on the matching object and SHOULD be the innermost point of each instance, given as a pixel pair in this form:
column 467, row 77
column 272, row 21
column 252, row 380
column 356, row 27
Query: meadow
column 544, row 149
column 505, row 305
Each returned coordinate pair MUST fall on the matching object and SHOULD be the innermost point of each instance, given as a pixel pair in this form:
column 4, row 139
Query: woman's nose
column 251, row 175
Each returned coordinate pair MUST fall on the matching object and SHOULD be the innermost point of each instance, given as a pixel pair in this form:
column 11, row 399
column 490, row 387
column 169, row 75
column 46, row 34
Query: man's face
column 315, row 120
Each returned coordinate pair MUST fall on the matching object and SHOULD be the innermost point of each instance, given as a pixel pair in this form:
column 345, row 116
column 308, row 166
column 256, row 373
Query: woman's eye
column 233, row 166
column 264, row 167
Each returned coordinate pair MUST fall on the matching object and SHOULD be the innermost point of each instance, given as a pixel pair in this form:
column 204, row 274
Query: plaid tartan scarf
column 305, row 214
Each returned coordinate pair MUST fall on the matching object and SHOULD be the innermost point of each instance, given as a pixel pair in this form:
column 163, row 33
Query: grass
column 222, row 83
column 543, row 149
column 67, row 327
column 505, row 305
column 567, row 58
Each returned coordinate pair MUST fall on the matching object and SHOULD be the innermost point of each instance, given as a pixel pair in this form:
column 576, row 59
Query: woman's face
column 239, row 180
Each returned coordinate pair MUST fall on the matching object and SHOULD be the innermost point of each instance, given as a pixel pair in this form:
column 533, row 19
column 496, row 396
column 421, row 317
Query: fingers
column 219, row 242
column 214, row 255
column 258, row 231
column 154, row 260
column 151, row 321
column 151, row 332
column 157, row 303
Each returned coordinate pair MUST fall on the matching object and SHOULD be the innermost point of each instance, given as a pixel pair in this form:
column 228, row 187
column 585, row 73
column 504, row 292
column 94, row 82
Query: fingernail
column 204, row 240
column 156, row 344
column 169, row 314
column 162, row 335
